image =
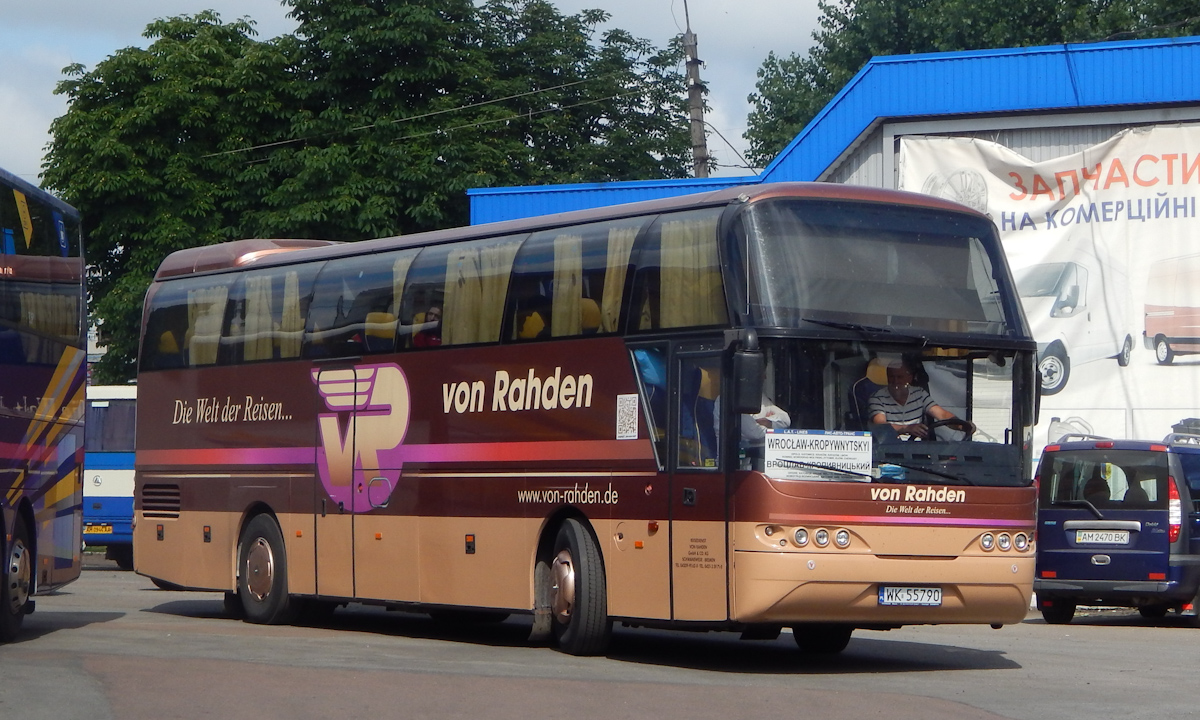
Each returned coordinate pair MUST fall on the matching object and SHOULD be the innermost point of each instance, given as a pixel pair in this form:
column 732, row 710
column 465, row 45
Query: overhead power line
column 423, row 116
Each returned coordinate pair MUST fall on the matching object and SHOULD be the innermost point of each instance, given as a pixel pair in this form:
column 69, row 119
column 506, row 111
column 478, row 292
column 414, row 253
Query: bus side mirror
column 748, row 369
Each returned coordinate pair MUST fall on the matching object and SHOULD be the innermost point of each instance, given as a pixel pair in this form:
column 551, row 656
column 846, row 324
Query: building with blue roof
column 1041, row 102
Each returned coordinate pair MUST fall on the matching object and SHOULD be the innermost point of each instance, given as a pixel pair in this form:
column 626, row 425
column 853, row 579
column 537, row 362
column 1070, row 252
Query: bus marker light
column 208, row 533
column 471, row 544
column 652, row 526
column 649, row 488
column 638, row 545
column 378, row 536
column 160, row 532
column 299, row 533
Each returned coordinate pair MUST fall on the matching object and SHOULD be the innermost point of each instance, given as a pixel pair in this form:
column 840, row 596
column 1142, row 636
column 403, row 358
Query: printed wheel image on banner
column 1104, row 249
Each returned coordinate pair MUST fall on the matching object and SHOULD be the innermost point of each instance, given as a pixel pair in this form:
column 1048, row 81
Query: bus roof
column 241, row 253
column 37, row 194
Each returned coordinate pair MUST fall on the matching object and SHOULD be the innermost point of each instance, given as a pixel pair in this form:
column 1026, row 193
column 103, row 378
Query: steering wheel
column 966, row 428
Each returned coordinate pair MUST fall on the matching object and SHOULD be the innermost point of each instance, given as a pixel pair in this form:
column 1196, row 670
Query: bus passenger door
column 334, row 509
column 699, row 572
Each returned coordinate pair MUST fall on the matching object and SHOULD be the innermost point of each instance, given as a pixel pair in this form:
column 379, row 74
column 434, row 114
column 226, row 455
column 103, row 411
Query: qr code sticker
column 627, row 417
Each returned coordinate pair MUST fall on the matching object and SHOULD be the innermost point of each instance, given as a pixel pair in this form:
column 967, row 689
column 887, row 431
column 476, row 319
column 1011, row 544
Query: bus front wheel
column 262, row 573
column 17, row 580
column 578, row 594
column 822, row 638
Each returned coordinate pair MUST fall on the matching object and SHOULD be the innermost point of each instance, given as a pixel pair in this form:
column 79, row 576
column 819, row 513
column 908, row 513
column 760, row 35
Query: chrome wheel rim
column 19, row 574
column 260, row 569
column 562, row 590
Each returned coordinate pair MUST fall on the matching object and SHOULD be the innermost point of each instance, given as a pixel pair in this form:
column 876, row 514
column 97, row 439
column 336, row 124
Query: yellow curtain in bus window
column 26, row 220
column 691, row 274
column 566, row 312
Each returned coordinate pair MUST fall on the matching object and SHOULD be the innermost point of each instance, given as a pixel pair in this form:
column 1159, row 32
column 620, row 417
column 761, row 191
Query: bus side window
column 571, row 281
column 678, row 278
column 465, row 285
column 353, row 310
column 268, row 315
column 650, row 364
column 699, row 412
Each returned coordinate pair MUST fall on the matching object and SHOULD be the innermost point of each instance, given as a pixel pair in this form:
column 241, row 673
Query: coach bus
column 557, row 417
column 108, row 471
column 42, row 369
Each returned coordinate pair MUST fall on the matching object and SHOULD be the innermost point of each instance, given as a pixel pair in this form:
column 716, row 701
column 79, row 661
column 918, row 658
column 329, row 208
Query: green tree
column 373, row 119
column 132, row 153
column 791, row 90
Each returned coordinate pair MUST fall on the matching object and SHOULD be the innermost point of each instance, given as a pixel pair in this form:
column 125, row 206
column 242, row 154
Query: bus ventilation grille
column 160, row 501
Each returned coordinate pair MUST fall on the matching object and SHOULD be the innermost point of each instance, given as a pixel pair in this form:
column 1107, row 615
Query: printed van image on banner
column 1105, row 248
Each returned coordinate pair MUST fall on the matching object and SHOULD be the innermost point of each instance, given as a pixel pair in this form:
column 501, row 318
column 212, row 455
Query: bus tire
column 262, row 573
column 578, row 594
column 1163, row 353
column 1054, row 369
column 122, row 555
column 822, row 638
column 1057, row 611
column 16, row 582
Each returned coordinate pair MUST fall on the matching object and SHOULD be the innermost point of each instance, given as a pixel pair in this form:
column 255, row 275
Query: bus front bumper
column 791, row 587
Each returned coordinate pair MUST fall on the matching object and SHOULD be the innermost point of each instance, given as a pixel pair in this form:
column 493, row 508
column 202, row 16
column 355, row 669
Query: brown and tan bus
column 657, row 414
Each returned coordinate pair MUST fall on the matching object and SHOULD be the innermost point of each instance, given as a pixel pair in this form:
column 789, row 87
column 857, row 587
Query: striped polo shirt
column 910, row 413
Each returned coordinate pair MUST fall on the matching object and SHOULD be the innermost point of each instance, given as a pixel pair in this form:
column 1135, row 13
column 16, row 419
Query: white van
column 1077, row 315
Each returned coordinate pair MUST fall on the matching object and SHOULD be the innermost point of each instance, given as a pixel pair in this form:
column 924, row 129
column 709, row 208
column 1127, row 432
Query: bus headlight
column 1005, row 542
column 988, row 541
column 801, row 536
column 1021, row 542
column 821, row 537
column 842, row 538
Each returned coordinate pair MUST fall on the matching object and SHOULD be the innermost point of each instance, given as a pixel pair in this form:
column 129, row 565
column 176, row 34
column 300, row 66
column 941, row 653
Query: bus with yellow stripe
column 42, row 376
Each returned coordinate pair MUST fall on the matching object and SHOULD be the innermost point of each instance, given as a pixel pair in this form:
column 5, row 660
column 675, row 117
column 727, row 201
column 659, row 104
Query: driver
column 903, row 405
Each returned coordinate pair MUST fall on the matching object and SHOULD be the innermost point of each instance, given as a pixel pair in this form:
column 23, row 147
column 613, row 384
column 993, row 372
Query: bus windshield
column 940, row 416
column 864, row 264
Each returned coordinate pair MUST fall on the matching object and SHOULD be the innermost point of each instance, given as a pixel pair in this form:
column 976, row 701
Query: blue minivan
column 1117, row 525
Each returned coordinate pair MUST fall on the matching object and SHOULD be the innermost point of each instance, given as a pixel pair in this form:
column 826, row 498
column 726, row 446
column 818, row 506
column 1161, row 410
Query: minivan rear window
column 1105, row 478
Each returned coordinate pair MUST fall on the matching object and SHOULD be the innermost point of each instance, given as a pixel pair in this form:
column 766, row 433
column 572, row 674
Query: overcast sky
column 39, row 39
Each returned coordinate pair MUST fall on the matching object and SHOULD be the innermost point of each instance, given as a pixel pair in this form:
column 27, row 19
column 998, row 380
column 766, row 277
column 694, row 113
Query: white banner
column 818, row 455
column 1105, row 246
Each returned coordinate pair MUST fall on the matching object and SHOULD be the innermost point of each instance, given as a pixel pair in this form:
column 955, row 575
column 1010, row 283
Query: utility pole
column 695, row 100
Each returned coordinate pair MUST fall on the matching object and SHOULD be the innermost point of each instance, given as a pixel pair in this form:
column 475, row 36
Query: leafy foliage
column 373, row 119
column 792, row 90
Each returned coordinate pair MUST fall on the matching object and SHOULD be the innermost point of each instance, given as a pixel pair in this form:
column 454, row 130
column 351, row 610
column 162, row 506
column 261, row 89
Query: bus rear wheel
column 16, row 582
column 262, row 573
column 578, row 594
column 822, row 638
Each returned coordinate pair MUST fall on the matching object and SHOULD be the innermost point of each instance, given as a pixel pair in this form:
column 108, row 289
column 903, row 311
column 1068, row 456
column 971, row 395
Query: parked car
column 1118, row 524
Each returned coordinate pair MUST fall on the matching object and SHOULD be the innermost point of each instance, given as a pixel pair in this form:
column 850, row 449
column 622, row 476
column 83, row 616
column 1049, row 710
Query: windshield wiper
column 1083, row 503
column 829, row 468
column 864, row 329
column 961, row 479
